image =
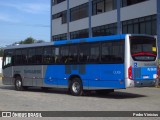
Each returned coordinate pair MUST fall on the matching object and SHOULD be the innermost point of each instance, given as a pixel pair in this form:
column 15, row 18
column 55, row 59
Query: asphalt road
column 131, row 99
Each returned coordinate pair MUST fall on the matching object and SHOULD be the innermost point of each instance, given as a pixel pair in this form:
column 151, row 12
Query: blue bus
column 99, row 63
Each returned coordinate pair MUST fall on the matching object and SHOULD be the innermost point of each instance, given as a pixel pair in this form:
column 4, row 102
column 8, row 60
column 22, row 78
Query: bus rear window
column 143, row 48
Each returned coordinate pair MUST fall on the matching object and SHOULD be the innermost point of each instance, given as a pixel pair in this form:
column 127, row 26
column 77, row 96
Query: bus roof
column 93, row 39
column 81, row 40
column 62, row 42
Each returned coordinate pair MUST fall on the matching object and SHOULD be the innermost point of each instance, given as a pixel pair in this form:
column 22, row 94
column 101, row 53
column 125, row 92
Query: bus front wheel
column 76, row 87
column 18, row 84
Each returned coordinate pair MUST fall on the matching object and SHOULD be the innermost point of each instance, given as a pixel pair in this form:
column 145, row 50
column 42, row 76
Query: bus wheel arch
column 75, row 85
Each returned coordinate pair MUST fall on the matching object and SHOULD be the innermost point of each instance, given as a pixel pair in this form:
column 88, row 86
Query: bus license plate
column 145, row 77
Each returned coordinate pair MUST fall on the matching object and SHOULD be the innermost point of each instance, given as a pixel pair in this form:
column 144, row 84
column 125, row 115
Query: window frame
column 4, row 59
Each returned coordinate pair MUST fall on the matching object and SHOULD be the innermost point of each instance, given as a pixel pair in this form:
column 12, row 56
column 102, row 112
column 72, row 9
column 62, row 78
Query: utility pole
column 90, row 17
column 119, row 27
column 51, row 20
column 68, row 20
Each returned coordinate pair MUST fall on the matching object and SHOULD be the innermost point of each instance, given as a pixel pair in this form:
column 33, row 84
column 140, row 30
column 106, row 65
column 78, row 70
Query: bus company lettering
column 17, row 72
column 115, row 72
column 33, row 71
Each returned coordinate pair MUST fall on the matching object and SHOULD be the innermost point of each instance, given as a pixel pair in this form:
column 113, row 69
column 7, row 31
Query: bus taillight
column 130, row 73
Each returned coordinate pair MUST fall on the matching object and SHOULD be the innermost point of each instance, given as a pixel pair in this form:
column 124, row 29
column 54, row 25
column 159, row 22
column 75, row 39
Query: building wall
column 138, row 10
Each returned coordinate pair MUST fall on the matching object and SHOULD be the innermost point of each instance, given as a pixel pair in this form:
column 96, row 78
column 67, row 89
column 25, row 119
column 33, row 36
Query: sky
column 20, row 19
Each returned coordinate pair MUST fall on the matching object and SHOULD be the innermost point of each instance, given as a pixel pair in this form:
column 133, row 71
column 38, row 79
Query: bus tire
column 76, row 87
column 18, row 84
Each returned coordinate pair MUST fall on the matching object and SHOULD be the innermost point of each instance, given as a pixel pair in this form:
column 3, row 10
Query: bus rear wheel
column 18, row 84
column 76, row 87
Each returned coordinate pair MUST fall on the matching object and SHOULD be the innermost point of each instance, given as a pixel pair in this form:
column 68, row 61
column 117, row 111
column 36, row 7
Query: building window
column 98, row 6
column 79, row 34
column 59, row 37
column 131, row 2
column 79, row 12
column 101, row 6
column 62, row 15
column 104, row 30
column 144, row 25
column 58, row 1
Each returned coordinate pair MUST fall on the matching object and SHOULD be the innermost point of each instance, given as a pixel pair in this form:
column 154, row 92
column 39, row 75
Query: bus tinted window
column 24, row 56
column 48, row 57
column 113, row 52
column 94, row 52
column 64, row 54
column 143, row 48
column 38, row 55
column 7, row 58
column 84, row 53
column 56, row 55
column 31, row 56
column 73, row 54
column 18, row 57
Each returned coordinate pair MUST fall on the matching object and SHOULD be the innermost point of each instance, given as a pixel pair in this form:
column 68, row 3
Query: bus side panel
column 53, row 74
column 111, row 76
column 32, row 75
column 92, row 76
column 7, row 76
column 58, row 75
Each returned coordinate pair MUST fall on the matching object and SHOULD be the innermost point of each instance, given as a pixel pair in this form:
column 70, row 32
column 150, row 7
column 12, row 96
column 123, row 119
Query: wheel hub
column 18, row 83
column 76, row 87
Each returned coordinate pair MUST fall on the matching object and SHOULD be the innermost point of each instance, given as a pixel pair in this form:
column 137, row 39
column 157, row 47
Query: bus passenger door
column 7, row 68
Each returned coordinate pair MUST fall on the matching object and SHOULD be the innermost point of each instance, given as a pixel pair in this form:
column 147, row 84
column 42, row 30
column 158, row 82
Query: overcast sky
column 20, row 19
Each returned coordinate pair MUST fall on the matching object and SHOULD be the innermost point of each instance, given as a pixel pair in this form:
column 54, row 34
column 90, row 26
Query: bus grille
column 137, row 73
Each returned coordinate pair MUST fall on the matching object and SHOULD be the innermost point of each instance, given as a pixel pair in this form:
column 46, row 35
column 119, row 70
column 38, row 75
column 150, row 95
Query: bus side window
column 106, row 52
column 56, row 55
column 112, row 52
column 84, row 51
column 94, row 53
column 31, row 56
column 24, row 56
column 7, row 59
column 39, row 55
column 48, row 55
column 18, row 57
column 64, row 54
column 73, row 55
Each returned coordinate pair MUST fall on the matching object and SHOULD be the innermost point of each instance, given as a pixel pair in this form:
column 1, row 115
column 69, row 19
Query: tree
column 29, row 40
column 1, row 52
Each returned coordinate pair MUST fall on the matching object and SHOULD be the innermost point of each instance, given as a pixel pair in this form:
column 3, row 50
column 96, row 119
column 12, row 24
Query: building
column 73, row 19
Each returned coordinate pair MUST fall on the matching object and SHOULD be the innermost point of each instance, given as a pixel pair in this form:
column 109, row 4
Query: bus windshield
column 143, row 48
